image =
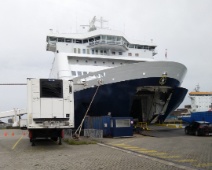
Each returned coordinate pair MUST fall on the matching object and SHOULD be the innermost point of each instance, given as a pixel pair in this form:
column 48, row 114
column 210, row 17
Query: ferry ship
column 130, row 81
column 201, row 106
column 200, row 101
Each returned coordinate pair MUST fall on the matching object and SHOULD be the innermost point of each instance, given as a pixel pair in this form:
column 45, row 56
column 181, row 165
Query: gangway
column 15, row 113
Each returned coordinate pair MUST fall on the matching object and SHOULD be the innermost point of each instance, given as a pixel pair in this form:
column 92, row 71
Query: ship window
column 131, row 46
column 73, row 73
column 86, row 61
column 151, row 47
column 110, row 38
column 96, row 51
column 101, row 52
column 112, row 62
column 52, row 39
column 79, row 41
column 75, row 50
column 79, row 50
column 91, row 40
column 85, row 41
column 84, row 51
column 136, row 54
column 103, row 62
column 95, row 62
column 84, row 73
column 88, row 51
column 120, row 53
column 113, row 52
column 103, row 37
column 79, row 73
column 97, row 38
column 92, row 51
column 129, row 54
column 77, row 61
column 69, row 40
column 60, row 39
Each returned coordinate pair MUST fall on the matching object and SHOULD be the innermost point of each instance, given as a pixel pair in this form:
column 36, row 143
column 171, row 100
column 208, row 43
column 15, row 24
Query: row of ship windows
column 102, row 52
column 95, row 62
column 102, row 39
column 79, row 41
column 203, row 106
column 78, row 73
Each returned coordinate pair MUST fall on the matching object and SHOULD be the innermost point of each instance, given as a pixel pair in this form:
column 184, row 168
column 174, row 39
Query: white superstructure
column 95, row 50
column 201, row 101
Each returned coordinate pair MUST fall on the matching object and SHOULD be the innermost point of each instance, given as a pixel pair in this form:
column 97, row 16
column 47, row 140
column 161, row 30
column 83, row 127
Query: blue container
column 98, row 122
column 121, row 126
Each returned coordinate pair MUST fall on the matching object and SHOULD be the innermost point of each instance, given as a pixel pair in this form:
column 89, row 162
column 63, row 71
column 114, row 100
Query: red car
column 199, row 128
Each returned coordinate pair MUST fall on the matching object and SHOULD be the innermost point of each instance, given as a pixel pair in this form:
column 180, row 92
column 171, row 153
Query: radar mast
column 92, row 25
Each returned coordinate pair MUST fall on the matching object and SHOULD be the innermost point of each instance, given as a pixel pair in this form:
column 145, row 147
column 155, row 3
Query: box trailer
column 50, row 108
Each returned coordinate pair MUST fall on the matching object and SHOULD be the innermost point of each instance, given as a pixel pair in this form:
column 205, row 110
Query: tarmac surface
column 160, row 148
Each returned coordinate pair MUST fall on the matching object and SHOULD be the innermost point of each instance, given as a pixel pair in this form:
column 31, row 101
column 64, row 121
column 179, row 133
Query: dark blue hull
column 117, row 98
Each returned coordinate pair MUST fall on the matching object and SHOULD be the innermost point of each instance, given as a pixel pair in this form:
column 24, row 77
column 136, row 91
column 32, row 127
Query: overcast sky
column 184, row 27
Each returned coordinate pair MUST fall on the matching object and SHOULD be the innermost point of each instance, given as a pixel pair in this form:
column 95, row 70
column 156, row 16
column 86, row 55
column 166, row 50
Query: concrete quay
column 160, row 148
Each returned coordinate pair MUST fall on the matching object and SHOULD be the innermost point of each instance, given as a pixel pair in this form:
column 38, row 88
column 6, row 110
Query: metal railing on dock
column 93, row 133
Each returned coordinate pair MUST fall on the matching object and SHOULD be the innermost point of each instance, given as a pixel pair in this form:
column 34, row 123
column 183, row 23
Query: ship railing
column 110, row 42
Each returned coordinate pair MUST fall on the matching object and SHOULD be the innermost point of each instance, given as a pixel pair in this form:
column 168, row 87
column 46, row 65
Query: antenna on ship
column 101, row 20
column 166, row 53
column 196, row 89
column 92, row 26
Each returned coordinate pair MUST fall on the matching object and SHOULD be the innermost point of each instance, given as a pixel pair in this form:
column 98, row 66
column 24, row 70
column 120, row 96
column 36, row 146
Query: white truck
column 50, row 108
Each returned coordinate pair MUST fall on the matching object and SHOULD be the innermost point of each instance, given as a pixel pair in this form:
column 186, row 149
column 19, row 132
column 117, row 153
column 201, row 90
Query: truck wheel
column 196, row 133
column 54, row 138
column 60, row 141
column 33, row 142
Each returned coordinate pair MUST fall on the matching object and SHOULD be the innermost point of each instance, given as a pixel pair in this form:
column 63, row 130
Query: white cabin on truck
column 50, row 108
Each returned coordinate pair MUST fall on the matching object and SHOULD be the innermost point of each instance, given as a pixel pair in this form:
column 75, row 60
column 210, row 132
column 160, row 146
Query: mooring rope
column 80, row 126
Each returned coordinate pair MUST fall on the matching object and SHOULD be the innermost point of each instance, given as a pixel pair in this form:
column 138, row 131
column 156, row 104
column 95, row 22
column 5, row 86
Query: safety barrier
column 68, row 133
column 93, row 133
